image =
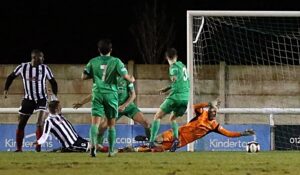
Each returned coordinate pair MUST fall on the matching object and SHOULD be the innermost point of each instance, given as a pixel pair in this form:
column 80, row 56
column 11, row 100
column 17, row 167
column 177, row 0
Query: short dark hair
column 36, row 51
column 104, row 46
column 53, row 105
column 171, row 53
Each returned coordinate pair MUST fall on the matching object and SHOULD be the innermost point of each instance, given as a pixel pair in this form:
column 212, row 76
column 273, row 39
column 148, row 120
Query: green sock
column 100, row 138
column 148, row 132
column 154, row 129
column 93, row 134
column 175, row 129
column 111, row 139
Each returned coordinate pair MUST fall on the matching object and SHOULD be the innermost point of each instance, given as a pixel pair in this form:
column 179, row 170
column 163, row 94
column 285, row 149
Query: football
column 252, row 147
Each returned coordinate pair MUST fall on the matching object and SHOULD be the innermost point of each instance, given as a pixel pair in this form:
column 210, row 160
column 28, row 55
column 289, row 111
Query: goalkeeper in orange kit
column 204, row 123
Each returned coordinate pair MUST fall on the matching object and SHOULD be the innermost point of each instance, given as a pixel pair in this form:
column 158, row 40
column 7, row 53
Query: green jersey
column 180, row 88
column 105, row 70
column 124, row 88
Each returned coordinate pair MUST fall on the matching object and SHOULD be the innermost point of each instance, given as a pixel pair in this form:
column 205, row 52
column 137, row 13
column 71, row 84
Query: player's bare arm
column 173, row 78
column 164, row 90
column 82, row 102
column 129, row 78
column 85, row 76
column 132, row 96
column 8, row 82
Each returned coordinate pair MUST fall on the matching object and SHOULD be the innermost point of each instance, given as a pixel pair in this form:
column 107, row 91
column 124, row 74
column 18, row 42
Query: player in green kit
column 126, row 95
column 104, row 70
column 177, row 101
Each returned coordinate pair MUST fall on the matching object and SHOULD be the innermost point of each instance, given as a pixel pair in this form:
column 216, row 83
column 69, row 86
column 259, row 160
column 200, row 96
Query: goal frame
column 202, row 13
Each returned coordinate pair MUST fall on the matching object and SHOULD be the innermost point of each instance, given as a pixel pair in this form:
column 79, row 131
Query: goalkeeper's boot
column 93, row 152
column 174, row 146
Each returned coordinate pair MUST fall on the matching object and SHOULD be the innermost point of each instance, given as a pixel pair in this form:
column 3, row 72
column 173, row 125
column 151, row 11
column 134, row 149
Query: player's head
column 104, row 46
column 54, row 107
column 171, row 55
column 37, row 57
column 212, row 112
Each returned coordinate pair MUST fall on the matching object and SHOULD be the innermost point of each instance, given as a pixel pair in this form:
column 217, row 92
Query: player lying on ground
column 204, row 123
column 63, row 130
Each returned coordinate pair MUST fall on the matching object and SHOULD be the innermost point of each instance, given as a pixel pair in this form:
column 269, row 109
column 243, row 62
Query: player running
column 126, row 96
column 104, row 70
column 204, row 123
column 177, row 101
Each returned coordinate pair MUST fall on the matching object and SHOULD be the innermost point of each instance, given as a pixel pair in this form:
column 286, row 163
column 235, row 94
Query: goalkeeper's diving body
column 202, row 124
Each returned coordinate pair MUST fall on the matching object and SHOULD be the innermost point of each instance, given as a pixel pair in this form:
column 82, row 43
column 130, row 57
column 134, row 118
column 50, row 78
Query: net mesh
column 253, row 62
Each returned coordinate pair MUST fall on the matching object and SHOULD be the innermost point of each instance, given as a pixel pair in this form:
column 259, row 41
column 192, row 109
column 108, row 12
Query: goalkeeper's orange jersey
column 197, row 128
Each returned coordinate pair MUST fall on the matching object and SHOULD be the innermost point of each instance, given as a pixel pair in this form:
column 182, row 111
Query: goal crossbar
column 244, row 13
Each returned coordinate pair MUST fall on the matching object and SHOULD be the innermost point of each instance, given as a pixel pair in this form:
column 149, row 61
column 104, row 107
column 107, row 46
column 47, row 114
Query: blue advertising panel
column 8, row 138
column 126, row 134
column 217, row 142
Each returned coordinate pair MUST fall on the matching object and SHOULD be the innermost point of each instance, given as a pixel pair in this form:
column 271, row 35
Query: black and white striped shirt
column 34, row 80
column 61, row 128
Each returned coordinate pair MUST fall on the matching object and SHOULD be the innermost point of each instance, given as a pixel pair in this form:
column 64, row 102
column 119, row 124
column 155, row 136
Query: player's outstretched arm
column 228, row 133
column 215, row 103
column 248, row 132
column 82, row 102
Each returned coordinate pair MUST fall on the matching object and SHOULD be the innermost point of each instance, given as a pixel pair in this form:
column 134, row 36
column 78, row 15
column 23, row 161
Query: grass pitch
column 206, row 163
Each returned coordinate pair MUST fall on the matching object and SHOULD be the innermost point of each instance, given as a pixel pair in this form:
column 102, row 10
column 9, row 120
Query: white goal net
column 249, row 60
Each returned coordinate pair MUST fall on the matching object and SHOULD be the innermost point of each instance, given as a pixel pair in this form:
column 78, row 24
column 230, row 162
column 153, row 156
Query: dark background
column 67, row 31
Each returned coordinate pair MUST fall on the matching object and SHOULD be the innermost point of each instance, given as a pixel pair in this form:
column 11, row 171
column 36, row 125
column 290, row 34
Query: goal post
column 256, row 46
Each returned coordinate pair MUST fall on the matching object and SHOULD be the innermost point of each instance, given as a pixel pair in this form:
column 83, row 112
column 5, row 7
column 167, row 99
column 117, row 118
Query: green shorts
column 129, row 111
column 105, row 105
column 178, row 107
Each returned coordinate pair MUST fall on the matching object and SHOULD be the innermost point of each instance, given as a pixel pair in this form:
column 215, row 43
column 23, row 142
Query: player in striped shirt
column 62, row 129
column 34, row 75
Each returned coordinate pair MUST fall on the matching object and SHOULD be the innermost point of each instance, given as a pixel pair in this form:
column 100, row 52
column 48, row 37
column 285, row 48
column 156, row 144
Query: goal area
column 250, row 60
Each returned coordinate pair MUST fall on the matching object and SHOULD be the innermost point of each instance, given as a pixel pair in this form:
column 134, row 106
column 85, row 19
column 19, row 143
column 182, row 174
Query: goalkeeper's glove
column 215, row 103
column 248, row 132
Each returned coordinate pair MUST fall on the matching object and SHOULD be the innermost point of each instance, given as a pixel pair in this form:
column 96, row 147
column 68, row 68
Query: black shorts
column 28, row 106
column 81, row 145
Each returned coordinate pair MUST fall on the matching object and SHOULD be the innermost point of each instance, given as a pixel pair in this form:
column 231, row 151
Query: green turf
column 208, row 163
